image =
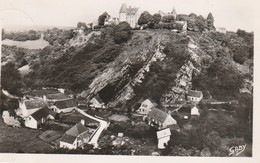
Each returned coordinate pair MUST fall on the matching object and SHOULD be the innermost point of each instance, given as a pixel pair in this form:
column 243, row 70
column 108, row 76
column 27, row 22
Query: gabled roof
column 67, row 103
column 43, row 92
column 73, row 132
column 157, row 114
column 98, row 99
column 35, row 103
column 42, row 113
column 57, row 96
column 163, row 133
column 194, row 93
column 131, row 11
column 68, row 138
column 123, row 8
column 77, row 129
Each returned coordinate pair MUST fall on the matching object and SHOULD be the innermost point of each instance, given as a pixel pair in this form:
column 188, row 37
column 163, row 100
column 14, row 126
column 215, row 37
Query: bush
column 122, row 33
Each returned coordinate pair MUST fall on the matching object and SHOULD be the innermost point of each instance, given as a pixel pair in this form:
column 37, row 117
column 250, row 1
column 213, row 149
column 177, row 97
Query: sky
column 232, row 14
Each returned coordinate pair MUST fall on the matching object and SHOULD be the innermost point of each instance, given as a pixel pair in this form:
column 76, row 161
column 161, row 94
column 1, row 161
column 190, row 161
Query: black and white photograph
column 160, row 78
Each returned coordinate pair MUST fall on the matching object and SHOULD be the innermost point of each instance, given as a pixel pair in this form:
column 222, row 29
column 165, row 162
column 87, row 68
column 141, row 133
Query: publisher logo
column 236, row 150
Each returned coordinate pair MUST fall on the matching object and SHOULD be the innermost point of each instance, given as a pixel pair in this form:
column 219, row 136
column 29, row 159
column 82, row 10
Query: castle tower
column 174, row 13
column 122, row 13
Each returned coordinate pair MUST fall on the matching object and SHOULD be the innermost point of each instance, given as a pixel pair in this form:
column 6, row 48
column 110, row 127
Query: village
column 69, row 121
column 81, row 124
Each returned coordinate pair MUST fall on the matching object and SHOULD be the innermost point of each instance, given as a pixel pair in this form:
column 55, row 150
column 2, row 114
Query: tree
column 168, row 19
column 11, row 79
column 122, row 32
column 81, row 24
column 145, row 18
column 213, row 141
column 210, row 22
column 200, row 23
column 157, row 18
column 102, row 18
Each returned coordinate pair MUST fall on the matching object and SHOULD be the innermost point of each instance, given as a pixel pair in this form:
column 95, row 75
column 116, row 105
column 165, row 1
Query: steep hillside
column 157, row 64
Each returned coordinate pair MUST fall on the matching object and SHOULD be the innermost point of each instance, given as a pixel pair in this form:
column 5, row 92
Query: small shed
column 163, row 137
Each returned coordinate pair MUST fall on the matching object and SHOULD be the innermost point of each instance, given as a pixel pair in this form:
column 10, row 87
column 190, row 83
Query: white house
column 221, row 30
column 27, row 107
column 76, row 136
column 37, row 118
column 194, row 111
column 65, row 106
column 97, row 102
column 129, row 15
column 145, row 107
column 159, row 119
column 194, row 96
column 163, row 137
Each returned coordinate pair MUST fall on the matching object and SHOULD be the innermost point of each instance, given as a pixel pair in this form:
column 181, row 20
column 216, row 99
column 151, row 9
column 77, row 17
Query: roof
column 35, row 103
column 67, row 103
column 75, row 117
column 128, row 10
column 163, row 133
column 68, row 138
column 123, row 8
column 76, row 129
column 42, row 113
column 98, row 99
column 157, row 114
column 56, row 96
column 43, row 92
column 131, row 11
column 194, row 93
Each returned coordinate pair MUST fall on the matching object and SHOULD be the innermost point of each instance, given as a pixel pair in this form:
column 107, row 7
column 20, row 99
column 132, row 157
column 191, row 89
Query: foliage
column 11, row 79
column 168, row 19
column 145, row 18
column 200, row 23
column 21, row 36
column 156, row 18
column 81, row 24
column 210, row 21
column 102, row 18
column 122, row 33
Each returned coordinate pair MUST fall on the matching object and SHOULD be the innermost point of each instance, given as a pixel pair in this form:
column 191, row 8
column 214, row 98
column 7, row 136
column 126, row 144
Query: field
column 13, row 140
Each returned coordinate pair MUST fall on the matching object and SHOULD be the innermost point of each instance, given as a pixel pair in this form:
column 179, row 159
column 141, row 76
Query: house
column 145, row 107
column 129, row 15
column 64, row 106
column 194, row 96
column 111, row 20
column 159, row 119
column 163, row 137
column 54, row 97
column 194, row 112
column 221, row 30
column 172, row 13
column 37, row 118
column 97, row 102
column 76, row 136
column 40, row 93
column 28, row 107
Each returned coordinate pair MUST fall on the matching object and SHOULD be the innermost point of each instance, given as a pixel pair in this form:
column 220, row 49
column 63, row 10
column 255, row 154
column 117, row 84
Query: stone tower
column 122, row 13
column 174, row 13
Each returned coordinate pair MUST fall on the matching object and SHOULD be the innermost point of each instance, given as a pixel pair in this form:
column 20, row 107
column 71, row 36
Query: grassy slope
column 14, row 139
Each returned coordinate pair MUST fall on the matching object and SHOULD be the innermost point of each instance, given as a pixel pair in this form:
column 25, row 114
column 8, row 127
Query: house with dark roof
column 97, row 102
column 146, row 106
column 129, row 15
column 28, row 107
column 194, row 96
column 76, row 136
column 55, row 97
column 159, row 119
column 37, row 118
column 65, row 106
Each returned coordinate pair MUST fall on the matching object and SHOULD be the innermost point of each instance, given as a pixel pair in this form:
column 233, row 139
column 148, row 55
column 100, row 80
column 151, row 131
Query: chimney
column 82, row 121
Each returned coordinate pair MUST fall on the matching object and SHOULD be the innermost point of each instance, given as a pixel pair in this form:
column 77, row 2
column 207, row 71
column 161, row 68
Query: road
column 103, row 125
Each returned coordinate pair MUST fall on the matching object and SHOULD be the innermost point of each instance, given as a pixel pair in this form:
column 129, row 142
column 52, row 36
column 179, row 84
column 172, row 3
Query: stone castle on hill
column 132, row 14
column 129, row 14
